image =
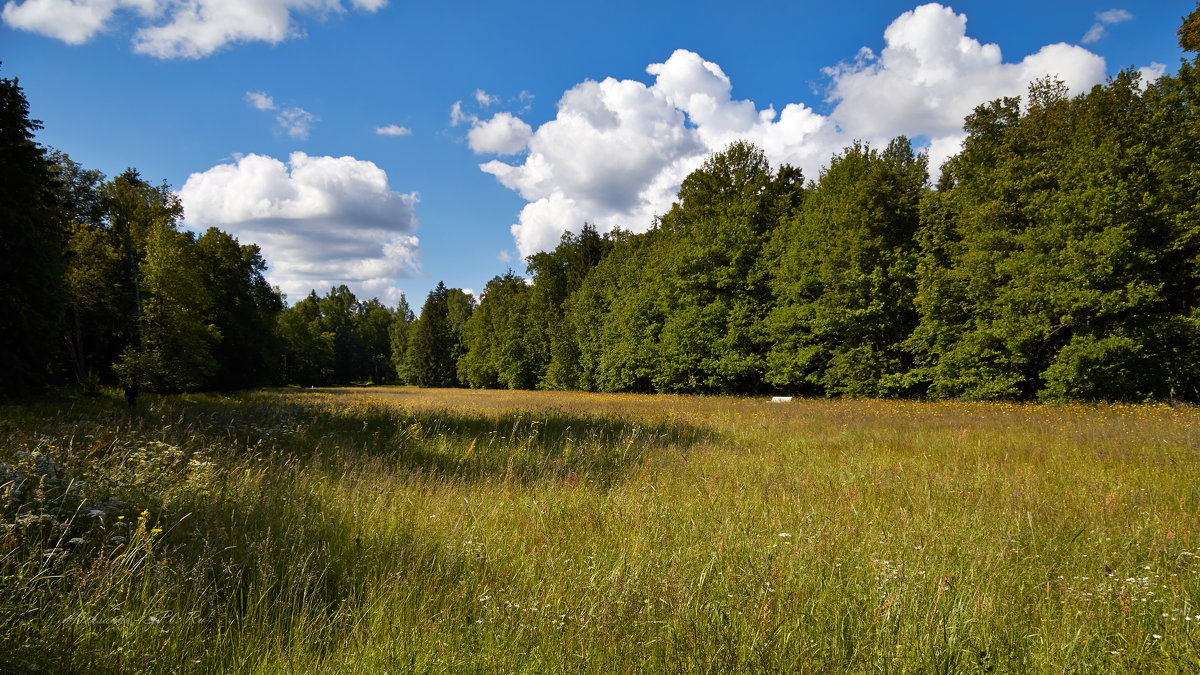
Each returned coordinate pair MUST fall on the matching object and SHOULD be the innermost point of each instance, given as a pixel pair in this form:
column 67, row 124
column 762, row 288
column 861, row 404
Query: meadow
column 399, row 530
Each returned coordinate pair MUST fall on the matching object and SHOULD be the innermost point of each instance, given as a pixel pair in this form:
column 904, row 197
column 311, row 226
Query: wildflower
column 785, row 534
column 1156, row 636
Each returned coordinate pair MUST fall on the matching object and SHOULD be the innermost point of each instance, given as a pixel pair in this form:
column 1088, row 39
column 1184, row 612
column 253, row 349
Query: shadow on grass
column 520, row 445
column 263, row 573
column 279, row 565
column 276, row 583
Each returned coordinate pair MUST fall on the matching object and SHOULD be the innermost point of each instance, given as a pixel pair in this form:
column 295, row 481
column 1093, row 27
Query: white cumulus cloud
column 320, row 221
column 930, row 75
column 293, row 121
column 175, row 28
column 260, row 100
column 526, row 100
column 617, row 150
column 503, row 134
column 72, row 21
column 1114, row 16
column 457, row 116
column 296, row 122
column 393, row 130
column 1152, row 72
column 1103, row 20
column 485, row 99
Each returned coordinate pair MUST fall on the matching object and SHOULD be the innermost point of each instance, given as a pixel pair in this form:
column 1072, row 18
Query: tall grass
column 402, row 530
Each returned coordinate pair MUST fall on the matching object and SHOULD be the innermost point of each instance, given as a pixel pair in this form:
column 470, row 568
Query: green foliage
column 1057, row 263
column 308, row 355
column 32, row 294
column 610, row 323
column 711, row 289
column 680, row 307
column 244, row 310
column 373, row 329
column 1091, row 367
column 169, row 304
column 435, row 339
column 846, row 276
column 518, row 338
column 1189, row 31
column 176, row 308
column 338, row 310
column 398, row 339
column 338, row 339
column 496, row 338
column 93, row 271
column 556, row 275
column 145, row 300
column 1058, row 258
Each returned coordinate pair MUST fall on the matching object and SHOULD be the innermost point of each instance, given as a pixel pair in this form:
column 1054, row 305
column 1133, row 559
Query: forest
column 1056, row 257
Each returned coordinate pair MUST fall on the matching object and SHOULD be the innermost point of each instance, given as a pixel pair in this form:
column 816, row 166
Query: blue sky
column 267, row 116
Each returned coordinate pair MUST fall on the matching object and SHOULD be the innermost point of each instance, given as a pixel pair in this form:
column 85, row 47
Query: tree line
column 1057, row 257
column 101, row 284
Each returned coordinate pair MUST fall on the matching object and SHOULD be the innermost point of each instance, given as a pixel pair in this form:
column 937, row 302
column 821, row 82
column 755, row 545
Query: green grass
column 402, row 530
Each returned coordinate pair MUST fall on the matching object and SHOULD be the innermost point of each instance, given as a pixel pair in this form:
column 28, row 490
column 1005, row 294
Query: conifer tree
column 32, row 294
column 435, row 342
